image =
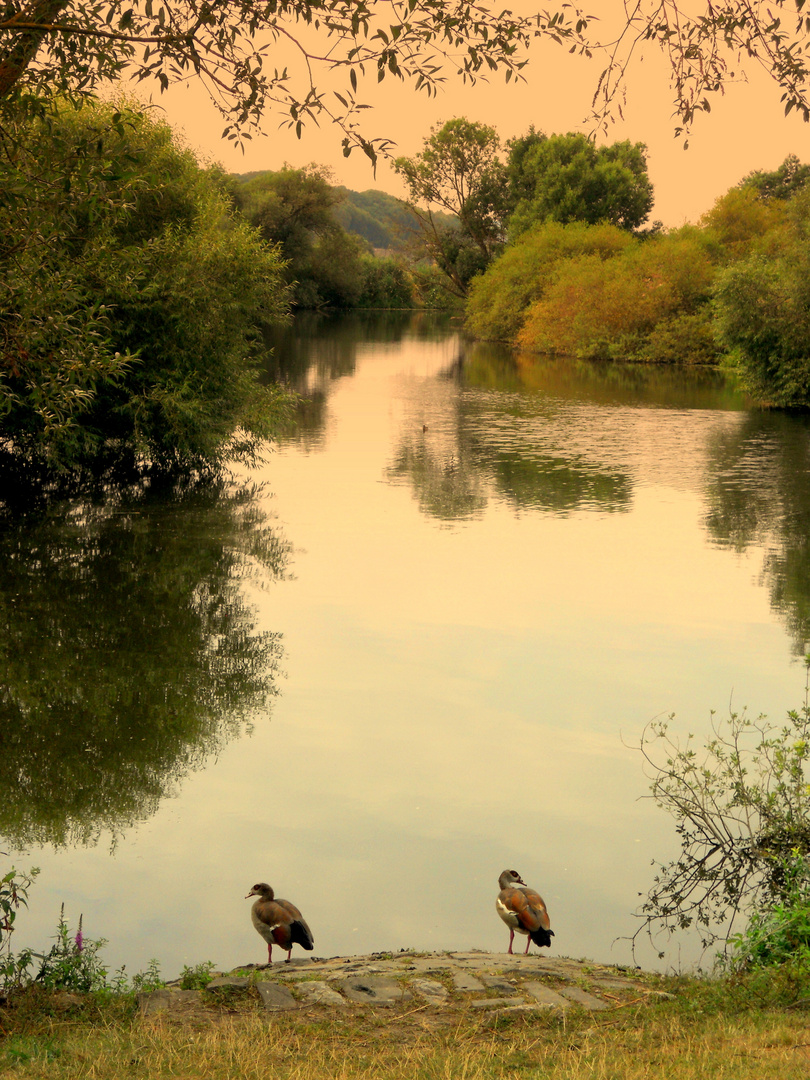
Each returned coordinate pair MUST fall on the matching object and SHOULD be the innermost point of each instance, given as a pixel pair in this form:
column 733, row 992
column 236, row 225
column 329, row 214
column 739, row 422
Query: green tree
column 130, row 299
column 762, row 306
column 788, row 180
column 295, row 208
column 458, row 171
column 567, row 178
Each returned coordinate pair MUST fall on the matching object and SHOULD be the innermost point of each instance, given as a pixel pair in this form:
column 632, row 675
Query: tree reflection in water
column 129, row 651
column 759, row 493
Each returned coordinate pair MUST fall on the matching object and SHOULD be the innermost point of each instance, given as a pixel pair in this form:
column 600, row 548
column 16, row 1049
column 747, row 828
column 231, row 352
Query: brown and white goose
column 523, row 910
column 279, row 922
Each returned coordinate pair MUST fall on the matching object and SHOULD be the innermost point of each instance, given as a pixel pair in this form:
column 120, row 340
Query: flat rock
column 466, row 983
column 491, row 1003
column 374, row 990
column 168, row 1001
column 276, row 997
column 583, row 998
column 321, row 993
column 431, row 990
column 544, row 995
column 495, row 982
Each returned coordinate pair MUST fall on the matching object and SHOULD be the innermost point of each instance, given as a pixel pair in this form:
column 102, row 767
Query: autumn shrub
column 683, row 338
column 500, row 298
column 738, row 219
column 597, row 309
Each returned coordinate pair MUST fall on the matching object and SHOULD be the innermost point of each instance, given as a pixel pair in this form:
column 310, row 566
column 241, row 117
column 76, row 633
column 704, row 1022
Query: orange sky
column 746, row 129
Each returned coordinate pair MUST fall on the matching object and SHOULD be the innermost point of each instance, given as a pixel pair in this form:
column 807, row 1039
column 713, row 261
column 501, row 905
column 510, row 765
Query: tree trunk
column 19, row 49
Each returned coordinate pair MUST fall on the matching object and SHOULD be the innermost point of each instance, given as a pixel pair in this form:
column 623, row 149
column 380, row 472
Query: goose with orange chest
column 279, row 922
column 523, row 910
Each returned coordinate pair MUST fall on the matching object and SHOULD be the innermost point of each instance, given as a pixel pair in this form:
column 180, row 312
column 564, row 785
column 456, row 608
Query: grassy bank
column 736, row 1028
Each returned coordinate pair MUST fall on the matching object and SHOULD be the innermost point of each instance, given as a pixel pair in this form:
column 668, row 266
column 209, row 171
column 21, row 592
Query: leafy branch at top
column 283, row 56
column 706, row 52
column 231, row 45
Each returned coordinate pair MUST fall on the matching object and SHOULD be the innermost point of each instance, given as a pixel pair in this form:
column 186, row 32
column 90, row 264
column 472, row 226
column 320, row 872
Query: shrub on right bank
column 735, row 287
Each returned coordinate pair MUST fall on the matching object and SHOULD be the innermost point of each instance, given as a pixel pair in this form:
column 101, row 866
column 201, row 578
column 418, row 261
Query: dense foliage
column 613, row 309
column 734, row 287
column 130, row 298
column 325, row 264
column 568, row 178
column 500, row 298
column 490, row 201
column 763, row 312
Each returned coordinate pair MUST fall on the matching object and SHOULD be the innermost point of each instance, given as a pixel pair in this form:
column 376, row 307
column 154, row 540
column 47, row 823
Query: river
column 418, row 645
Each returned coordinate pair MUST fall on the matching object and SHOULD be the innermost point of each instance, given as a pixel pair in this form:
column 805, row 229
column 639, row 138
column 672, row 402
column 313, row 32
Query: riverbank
column 423, row 1016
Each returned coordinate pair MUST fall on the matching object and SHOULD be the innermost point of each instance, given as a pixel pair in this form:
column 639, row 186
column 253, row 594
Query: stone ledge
column 492, row 982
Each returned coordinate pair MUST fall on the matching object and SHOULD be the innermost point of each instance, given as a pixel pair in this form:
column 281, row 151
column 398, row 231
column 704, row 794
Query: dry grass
column 638, row 1043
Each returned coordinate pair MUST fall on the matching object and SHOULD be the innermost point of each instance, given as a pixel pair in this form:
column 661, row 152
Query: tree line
column 134, row 283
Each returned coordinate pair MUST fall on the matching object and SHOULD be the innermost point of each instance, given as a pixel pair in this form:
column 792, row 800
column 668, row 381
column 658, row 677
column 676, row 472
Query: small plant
column 197, row 977
column 781, row 933
column 151, row 979
column 14, row 888
column 73, row 962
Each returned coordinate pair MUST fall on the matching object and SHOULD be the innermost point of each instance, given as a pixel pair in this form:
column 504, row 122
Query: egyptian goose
column 279, row 922
column 522, row 910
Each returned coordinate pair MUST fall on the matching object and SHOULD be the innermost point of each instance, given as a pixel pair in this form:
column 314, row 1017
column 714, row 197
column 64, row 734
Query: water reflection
column 759, row 494
column 447, row 486
column 320, row 349
column 129, row 651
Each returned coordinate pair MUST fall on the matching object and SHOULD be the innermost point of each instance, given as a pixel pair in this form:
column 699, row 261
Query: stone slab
column 321, row 993
column 496, row 982
column 583, row 998
column 168, row 1001
column 373, row 990
column 466, row 983
column 431, row 990
column 615, row 982
column 276, row 997
column 492, row 1003
column 546, row 996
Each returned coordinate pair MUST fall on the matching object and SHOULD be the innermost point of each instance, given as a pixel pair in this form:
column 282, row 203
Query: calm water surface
column 417, row 647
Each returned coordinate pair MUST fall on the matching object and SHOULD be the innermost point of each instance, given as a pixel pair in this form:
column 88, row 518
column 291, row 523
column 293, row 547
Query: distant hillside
column 377, row 216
